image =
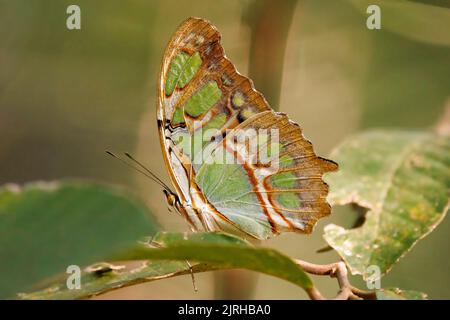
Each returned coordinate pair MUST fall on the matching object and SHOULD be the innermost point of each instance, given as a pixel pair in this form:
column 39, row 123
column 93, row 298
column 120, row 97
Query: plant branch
column 339, row 271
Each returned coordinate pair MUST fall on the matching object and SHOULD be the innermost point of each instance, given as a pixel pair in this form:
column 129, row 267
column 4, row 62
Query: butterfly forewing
column 200, row 88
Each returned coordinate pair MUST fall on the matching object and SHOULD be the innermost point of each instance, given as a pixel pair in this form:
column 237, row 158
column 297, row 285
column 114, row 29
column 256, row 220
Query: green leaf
column 222, row 250
column 397, row 294
column 402, row 178
column 205, row 251
column 114, row 276
column 45, row 227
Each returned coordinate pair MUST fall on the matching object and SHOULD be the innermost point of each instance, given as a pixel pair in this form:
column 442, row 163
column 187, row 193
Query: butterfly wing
column 198, row 85
column 199, row 90
column 261, row 199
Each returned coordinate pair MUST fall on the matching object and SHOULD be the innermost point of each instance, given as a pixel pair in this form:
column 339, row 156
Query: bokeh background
column 66, row 96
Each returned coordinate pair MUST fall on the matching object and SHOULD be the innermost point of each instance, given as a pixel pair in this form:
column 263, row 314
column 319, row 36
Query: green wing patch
column 182, row 69
column 203, row 100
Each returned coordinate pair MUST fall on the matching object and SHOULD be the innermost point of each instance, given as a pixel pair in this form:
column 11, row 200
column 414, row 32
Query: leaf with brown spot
column 403, row 179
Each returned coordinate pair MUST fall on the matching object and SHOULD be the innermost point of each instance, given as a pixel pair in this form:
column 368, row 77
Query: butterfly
column 199, row 92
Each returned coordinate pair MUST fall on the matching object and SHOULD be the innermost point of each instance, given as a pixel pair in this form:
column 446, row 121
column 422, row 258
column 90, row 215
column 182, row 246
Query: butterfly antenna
column 150, row 176
column 129, row 156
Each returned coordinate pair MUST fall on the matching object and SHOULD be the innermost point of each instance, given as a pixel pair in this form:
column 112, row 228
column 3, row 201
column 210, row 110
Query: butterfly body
column 210, row 117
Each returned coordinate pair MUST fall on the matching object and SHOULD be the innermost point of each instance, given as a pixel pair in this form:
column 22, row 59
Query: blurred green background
column 67, row 95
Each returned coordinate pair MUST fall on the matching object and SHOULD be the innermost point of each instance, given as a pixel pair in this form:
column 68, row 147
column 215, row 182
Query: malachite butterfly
column 205, row 107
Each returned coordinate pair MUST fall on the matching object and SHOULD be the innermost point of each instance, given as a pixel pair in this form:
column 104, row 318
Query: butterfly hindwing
column 286, row 195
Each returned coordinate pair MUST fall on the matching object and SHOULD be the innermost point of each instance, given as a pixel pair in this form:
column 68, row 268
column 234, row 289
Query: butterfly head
column 172, row 199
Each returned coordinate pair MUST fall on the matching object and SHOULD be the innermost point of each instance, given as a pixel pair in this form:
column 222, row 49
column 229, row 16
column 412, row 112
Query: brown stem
column 314, row 294
column 366, row 295
column 336, row 270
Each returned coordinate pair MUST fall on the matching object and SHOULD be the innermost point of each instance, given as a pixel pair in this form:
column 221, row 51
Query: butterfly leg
column 192, row 275
column 158, row 245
